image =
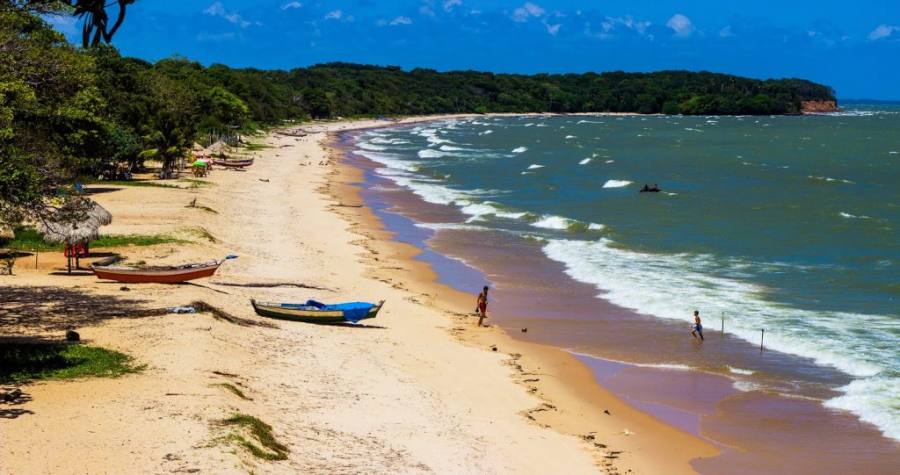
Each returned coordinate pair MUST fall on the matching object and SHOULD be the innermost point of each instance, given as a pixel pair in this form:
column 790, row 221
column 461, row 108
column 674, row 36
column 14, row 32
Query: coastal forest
column 68, row 111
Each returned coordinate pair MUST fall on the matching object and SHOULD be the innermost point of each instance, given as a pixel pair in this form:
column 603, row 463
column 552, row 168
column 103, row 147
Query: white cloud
column 883, row 31
column 401, row 20
column 449, row 4
column 553, row 29
column 334, row 15
column 726, row 32
column 291, row 5
column 217, row 9
column 681, row 24
column 527, row 11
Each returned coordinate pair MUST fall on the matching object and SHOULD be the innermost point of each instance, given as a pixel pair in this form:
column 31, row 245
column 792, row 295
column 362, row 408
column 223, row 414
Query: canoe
column 234, row 163
column 158, row 274
column 316, row 312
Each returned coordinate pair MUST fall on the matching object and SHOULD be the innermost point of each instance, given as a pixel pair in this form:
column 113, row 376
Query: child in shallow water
column 698, row 327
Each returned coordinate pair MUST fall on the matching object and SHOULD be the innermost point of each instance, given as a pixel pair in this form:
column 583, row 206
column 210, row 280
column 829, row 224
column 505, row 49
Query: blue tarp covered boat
column 318, row 312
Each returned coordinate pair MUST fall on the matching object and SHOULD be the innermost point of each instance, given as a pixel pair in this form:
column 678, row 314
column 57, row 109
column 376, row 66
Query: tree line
column 67, row 111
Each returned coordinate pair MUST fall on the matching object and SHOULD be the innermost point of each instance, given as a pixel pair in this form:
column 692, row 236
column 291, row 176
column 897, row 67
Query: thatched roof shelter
column 218, row 147
column 6, row 231
column 197, row 147
column 85, row 230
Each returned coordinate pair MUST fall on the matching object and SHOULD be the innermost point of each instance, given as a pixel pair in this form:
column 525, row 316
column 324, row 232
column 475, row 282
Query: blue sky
column 853, row 46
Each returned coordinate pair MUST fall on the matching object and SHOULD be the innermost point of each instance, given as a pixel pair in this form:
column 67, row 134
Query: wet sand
column 747, row 424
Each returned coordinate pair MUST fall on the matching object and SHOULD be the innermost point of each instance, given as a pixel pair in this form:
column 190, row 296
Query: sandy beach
column 419, row 390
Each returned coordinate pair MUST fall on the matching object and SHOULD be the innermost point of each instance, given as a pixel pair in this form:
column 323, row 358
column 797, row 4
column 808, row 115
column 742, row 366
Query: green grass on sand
column 260, row 431
column 23, row 362
column 29, row 239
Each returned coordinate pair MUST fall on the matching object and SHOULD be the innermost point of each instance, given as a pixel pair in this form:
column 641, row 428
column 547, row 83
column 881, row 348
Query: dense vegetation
column 68, row 112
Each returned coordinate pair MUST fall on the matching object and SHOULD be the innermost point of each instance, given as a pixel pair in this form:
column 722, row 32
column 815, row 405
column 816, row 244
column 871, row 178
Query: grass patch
column 28, row 362
column 136, row 240
column 260, row 431
column 255, row 147
column 234, row 390
column 30, row 239
column 204, row 234
column 136, row 183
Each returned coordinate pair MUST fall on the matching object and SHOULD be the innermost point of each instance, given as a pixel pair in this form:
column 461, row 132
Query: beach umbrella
column 80, row 232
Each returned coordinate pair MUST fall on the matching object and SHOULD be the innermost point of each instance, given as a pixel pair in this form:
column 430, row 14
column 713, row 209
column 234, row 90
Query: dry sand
column 418, row 390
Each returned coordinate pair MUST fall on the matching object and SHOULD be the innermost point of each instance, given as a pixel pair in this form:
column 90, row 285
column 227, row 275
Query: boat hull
column 166, row 276
column 327, row 317
column 233, row 164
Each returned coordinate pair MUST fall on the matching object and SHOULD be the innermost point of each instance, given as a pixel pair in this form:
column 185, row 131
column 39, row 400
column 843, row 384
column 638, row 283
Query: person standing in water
column 481, row 305
column 698, row 327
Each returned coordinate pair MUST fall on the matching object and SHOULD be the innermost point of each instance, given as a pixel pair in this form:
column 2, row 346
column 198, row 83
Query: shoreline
column 858, row 439
column 573, row 400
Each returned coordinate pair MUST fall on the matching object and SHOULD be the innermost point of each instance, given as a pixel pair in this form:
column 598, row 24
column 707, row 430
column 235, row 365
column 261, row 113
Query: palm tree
column 96, row 25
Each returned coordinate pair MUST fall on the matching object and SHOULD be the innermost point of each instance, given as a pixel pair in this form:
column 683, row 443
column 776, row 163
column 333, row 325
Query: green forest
column 68, row 111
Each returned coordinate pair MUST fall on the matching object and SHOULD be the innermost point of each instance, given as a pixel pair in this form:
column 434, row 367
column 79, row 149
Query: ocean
column 787, row 224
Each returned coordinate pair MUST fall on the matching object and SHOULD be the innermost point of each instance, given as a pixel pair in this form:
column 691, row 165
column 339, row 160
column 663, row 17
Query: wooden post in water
column 762, row 336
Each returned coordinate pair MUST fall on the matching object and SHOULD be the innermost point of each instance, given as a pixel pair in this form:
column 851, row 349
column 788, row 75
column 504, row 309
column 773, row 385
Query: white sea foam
column 874, row 400
column 552, row 222
column 585, row 161
column 534, row 166
column 745, row 386
column 610, row 161
column 386, row 141
column 616, row 183
column 486, row 132
column 452, row 226
column 529, row 124
column 852, row 216
column 745, row 372
column 450, row 148
column 893, row 152
column 371, row 146
column 655, row 284
column 830, row 180
column 429, row 153
column 520, row 150
column 479, row 211
column 570, row 137
column 596, row 227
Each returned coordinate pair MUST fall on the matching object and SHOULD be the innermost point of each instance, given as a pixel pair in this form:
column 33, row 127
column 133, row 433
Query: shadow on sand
column 47, row 309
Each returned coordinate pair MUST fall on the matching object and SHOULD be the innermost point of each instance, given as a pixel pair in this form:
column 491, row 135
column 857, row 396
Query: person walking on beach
column 481, row 305
column 698, row 327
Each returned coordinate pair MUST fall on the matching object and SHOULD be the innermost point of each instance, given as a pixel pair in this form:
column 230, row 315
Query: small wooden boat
column 234, row 163
column 158, row 274
column 316, row 312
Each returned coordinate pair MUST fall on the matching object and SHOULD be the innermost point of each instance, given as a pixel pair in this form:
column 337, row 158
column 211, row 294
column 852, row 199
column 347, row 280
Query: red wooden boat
column 158, row 274
column 234, row 163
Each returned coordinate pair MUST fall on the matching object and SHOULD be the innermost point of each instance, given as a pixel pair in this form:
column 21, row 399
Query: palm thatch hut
column 76, row 235
column 6, row 232
column 218, row 149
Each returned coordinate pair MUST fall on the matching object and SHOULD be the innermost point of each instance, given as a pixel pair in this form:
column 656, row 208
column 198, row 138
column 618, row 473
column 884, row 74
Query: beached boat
column 317, row 312
column 233, row 163
column 158, row 274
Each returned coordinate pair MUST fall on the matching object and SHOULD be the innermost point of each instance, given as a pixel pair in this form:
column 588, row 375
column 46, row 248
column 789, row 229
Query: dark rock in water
column 524, row 330
column 72, row 335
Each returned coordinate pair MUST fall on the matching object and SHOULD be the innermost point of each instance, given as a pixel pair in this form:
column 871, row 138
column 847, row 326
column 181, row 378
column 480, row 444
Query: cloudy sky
column 853, row 46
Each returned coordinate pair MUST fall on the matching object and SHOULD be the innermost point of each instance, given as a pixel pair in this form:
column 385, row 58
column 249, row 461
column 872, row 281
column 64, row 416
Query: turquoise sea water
column 785, row 223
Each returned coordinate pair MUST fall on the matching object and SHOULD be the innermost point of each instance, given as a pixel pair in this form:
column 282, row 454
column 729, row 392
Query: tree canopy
column 67, row 112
